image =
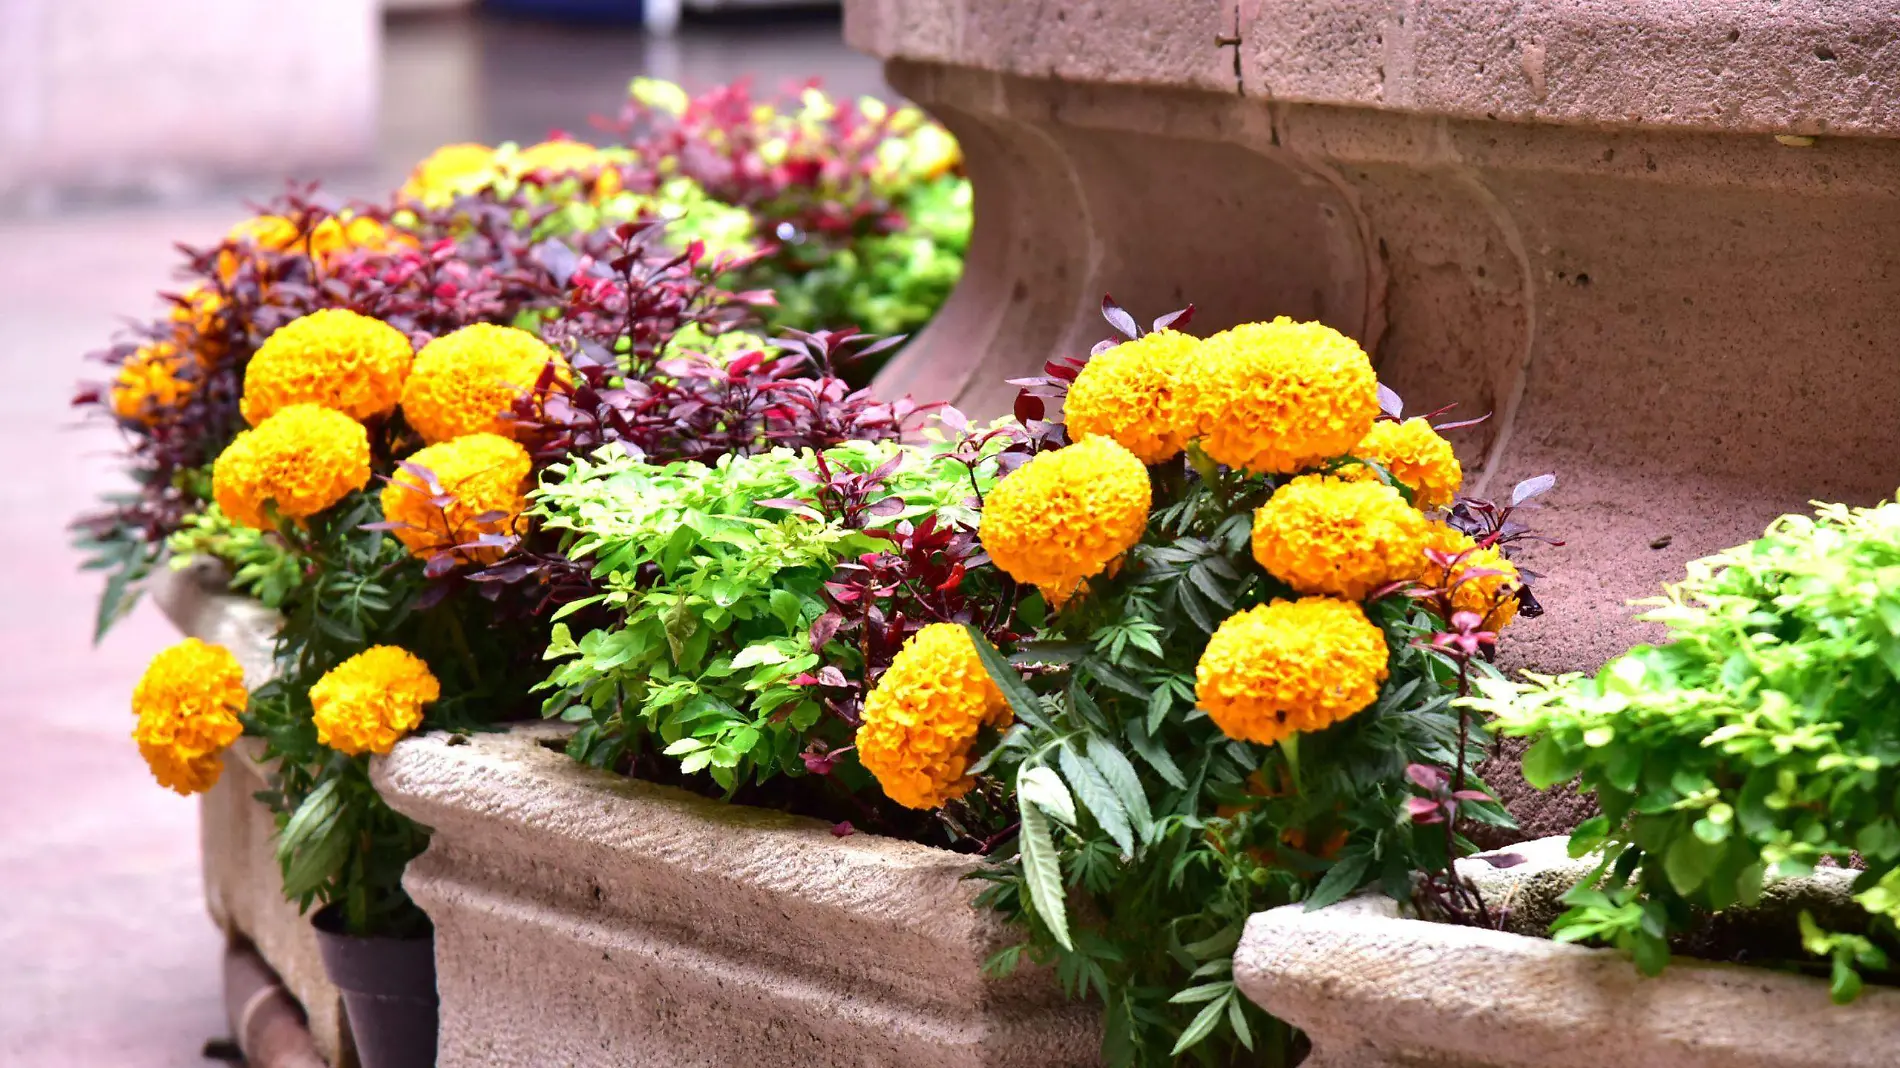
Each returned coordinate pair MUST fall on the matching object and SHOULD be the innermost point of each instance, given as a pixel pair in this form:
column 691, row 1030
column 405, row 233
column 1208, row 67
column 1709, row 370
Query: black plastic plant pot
column 388, row 987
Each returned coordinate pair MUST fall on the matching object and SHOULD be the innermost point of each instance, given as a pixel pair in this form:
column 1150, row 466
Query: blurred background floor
column 106, row 955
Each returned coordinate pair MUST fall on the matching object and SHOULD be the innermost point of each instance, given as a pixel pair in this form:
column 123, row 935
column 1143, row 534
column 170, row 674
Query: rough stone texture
column 244, row 887
column 585, row 919
column 244, row 891
column 1678, row 313
column 109, row 94
column 1375, row 990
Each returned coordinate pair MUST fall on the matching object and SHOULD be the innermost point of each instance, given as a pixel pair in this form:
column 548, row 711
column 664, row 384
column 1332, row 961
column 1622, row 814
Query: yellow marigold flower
column 481, row 473
column 303, row 459
column 1416, row 455
column 1320, row 534
column 559, row 156
column 187, row 704
column 1278, row 397
column 1064, row 515
column 1132, row 393
column 334, row 358
column 368, row 702
column 451, row 171
column 148, row 382
column 923, row 716
column 1290, row 666
column 1493, row 596
column 463, row 382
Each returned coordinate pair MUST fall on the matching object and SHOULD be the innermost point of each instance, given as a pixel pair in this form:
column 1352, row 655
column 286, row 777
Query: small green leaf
column 1042, row 873
column 1096, row 796
column 1022, row 700
column 1203, row 1025
column 1341, row 879
column 1125, row 781
column 1043, row 788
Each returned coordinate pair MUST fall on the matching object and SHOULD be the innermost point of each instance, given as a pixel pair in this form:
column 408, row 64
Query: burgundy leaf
column 1123, row 322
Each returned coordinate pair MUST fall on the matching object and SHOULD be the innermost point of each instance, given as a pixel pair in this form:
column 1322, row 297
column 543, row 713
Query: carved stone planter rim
column 1373, row 988
column 585, row 918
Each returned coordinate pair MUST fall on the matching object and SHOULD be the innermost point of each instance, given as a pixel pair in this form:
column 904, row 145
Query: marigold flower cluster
column 369, row 702
column 1065, row 515
column 478, row 488
column 1414, row 454
column 333, row 234
column 300, row 461
column 334, row 358
column 187, row 703
column 1481, row 580
column 449, row 172
column 463, row 382
column 1134, row 394
column 924, row 715
column 1324, row 535
column 1290, row 666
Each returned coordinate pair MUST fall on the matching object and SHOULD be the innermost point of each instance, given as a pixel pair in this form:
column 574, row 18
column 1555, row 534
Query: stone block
column 590, row 920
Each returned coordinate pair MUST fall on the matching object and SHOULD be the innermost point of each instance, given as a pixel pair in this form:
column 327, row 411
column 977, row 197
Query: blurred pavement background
column 106, row 956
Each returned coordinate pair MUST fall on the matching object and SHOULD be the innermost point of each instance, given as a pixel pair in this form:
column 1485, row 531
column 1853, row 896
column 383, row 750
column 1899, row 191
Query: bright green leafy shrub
column 1759, row 740
column 714, row 576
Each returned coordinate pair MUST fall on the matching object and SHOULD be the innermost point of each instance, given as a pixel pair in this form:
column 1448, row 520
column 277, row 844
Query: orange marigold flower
column 463, row 382
column 187, row 703
column 1482, row 580
column 481, row 475
column 923, row 716
column 334, row 358
column 1275, row 398
column 369, row 702
column 1320, row 534
column 332, row 234
column 1132, row 393
column 301, row 460
column 1416, row 455
column 1290, row 666
column 149, row 383
column 1064, row 515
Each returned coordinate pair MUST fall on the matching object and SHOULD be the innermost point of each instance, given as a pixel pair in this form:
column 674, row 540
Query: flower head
column 1290, row 666
column 1320, row 534
column 1132, row 393
column 1416, row 455
column 463, row 382
column 475, row 487
column 1064, row 515
column 1481, row 580
column 449, row 172
column 334, row 358
column 1274, row 398
column 196, row 316
column 148, row 382
column 301, row 460
column 187, row 704
column 923, row 716
column 368, row 702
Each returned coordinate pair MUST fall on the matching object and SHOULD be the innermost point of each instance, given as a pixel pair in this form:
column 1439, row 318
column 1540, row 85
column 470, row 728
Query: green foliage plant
column 712, row 577
column 1759, row 741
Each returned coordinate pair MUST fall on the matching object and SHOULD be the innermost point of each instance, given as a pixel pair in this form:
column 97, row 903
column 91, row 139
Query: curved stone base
column 1680, row 313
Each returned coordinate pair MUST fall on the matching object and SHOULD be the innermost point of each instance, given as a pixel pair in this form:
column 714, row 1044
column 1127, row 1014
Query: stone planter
column 1375, row 990
column 585, row 919
column 1656, row 238
column 244, row 888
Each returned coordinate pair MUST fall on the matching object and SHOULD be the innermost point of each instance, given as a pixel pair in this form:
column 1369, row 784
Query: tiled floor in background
column 106, row 957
